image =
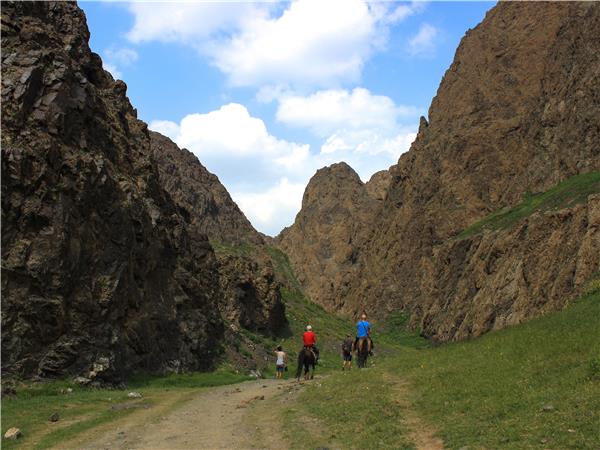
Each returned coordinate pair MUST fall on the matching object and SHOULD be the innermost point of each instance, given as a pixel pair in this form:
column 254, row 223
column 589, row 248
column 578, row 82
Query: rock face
column 516, row 112
column 103, row 271
column 201, row 197
column 336, row 211
column 247, row 279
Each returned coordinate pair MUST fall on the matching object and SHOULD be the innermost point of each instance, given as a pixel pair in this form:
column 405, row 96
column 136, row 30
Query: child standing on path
column 280, row 363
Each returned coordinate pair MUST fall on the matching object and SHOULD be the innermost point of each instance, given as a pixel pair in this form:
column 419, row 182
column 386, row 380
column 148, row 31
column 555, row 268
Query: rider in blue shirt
column 363, row 331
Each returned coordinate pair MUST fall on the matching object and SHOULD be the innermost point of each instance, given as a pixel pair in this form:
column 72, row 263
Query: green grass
column 570, row 192
column 86, row 408
column 283, row 269
column 487, row 392
column 357, row 409
column 225, row 248
column 330, row 329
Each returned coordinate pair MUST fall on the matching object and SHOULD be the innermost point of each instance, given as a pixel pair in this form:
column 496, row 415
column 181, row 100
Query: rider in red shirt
column 309, row 338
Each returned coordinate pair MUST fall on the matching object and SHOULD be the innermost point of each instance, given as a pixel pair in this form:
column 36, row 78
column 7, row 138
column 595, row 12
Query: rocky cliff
column 516, row 112
column 337, row 211
column 251, row 296
column 103, row 270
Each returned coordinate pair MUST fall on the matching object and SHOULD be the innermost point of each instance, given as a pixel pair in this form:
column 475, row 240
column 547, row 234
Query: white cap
column 308, row 328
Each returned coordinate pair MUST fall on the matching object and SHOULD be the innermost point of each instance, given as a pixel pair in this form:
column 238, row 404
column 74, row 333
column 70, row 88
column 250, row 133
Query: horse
column 307, row 359
column 362, row 352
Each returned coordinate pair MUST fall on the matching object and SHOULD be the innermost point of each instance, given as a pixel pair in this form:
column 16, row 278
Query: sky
column 266, row 93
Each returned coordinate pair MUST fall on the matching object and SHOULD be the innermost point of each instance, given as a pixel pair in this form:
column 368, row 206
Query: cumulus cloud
column 273, row 209
column 266, row 175
column 325, row 112
column 305, row 43
column 187, row 22
column 358, row 126
column 230, row 130
column 423, row 42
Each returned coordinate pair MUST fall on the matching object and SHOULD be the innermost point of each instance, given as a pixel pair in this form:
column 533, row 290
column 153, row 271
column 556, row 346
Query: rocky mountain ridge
column 107, row 268
column 516, row 112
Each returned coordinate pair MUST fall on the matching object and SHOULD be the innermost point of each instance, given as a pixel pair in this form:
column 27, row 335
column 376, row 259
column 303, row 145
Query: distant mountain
column 516, row 113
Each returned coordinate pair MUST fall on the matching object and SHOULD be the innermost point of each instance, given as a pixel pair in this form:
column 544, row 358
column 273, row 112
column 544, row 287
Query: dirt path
column 226, row 417
column 241, row 416
column 420, row 432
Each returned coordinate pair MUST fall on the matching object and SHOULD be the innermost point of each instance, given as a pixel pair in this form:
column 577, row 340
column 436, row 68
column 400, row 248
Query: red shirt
column 309, row 338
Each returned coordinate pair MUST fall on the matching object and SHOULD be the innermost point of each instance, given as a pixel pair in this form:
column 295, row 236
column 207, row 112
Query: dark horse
column 306, row 358
column 362, row 351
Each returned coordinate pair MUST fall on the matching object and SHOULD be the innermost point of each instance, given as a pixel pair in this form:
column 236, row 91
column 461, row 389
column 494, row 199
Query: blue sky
column 266, row 93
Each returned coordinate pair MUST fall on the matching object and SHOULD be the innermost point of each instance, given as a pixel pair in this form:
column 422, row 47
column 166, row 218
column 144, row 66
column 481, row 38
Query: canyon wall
column 106, row 268
column 518, row 111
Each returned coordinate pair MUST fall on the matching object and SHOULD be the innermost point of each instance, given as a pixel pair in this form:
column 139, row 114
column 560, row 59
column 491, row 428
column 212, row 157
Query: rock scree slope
column 517, row 112
column 105, row 267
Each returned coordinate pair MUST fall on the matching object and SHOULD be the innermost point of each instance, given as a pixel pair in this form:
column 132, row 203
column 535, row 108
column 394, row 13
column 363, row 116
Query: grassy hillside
column 570, row 192
column 536, row 385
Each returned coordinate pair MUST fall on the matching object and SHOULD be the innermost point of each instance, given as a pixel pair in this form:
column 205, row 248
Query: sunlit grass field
column 536, row 385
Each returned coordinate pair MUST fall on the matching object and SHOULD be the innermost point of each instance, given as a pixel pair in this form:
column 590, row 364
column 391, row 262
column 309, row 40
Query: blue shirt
column 362, row 329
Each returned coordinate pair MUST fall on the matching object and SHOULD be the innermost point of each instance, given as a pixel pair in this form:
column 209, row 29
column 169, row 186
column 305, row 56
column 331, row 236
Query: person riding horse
column 309, row 338
column 363, row 334
column 308, row 356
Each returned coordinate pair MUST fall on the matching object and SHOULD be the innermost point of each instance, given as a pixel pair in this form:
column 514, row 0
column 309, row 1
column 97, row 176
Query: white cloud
column 267, row 175
column 166, row 127
column 274, row 208
column 368, row 131
column 366, row 151
column 326, row 112
column 230, row 130
column 187, row 22
column 303, row 43
column 116, row 57
column 424, row 41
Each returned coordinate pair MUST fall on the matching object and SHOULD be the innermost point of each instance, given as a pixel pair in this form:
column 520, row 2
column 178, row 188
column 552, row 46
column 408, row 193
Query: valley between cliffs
column 516, row 121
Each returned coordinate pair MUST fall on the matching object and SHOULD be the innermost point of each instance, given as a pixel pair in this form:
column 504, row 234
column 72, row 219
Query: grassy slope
column 329, row 328
column 486, row 393
column 570, row 192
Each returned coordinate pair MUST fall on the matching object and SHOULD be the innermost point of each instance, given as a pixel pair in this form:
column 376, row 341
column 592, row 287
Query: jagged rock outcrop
column 337, row 208
column 102, row 272
column 202, row 199
column 251, row 296
column 516, row 112
column 499, row 278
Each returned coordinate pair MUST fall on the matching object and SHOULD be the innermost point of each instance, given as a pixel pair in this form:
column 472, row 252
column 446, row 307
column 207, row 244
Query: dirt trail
column 215, row 418
column 420, row 432
column 242, row 416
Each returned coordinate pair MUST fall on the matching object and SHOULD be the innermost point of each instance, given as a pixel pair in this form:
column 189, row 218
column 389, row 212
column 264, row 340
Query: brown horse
column 363, row 349
column 306, row 359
